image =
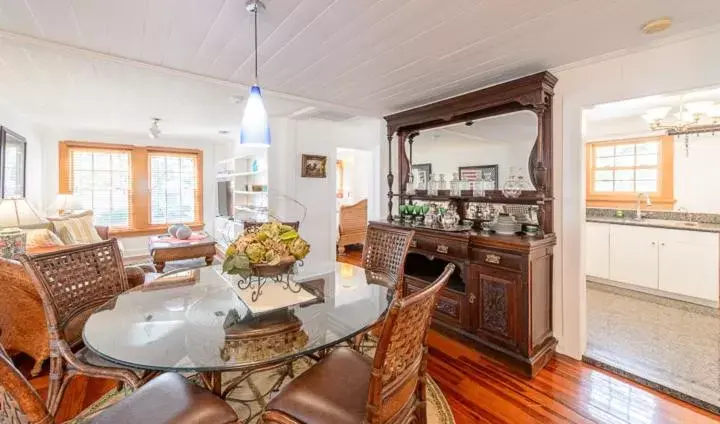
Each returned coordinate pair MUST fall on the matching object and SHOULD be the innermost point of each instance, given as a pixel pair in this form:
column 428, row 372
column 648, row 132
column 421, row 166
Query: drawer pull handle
column 442, row 248
column 471, row 299
column 492, row 259
column 413, row 243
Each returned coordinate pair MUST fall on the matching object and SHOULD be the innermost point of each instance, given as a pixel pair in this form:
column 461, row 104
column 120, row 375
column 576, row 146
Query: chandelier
column 694, row 118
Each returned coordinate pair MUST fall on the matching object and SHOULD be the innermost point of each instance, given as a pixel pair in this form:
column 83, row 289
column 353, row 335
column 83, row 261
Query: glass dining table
column 200, row 321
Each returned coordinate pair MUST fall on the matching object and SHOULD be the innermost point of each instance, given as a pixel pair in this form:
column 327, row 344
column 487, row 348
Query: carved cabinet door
column 498, row 297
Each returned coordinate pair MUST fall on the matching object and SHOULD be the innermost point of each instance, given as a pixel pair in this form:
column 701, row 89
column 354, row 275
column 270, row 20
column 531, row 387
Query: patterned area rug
column 257, row 385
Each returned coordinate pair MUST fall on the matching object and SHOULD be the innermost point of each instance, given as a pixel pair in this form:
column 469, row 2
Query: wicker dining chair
column 347, row 387
column 72, row 283
column 167, row 399
column 384, row 254
column 383, row 258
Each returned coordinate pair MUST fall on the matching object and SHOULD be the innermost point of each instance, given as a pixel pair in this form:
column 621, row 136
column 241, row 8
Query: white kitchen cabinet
column 689, row 263
column 634, row 255
column 597, row 252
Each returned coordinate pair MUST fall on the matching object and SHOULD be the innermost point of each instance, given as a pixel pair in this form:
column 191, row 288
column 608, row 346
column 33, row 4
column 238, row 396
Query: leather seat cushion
column 334, row 391
column 168, row 398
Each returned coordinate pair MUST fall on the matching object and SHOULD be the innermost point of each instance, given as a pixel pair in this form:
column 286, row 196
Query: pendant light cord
column 255, row 13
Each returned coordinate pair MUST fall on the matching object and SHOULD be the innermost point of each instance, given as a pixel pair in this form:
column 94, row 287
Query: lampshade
column 255, row 130
column 66, row 202
column 657, row 113
column 18, row 213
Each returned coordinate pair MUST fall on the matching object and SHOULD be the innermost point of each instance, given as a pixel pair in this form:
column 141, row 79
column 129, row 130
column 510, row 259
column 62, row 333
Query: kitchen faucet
column 638, row 211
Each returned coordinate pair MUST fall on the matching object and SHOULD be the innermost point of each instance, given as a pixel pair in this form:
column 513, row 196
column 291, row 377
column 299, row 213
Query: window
column 618, row 170
column 174, row 188
column 100, row 181
column 133, row 189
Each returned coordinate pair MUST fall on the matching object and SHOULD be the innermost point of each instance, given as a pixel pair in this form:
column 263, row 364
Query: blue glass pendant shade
column 255, row 130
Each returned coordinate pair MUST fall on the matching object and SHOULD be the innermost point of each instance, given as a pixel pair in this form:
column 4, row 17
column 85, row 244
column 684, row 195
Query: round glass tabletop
column 200, row 320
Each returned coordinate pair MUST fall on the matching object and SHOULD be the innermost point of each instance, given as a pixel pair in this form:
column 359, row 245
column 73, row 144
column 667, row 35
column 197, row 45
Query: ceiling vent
column 327, row 115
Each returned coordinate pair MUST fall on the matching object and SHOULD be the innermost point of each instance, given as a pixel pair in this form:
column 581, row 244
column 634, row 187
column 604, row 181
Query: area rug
column 438, row 410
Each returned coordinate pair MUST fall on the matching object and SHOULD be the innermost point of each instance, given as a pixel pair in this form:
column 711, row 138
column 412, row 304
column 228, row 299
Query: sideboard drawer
column 440, row 246
column 496, row 258
column 451, row 307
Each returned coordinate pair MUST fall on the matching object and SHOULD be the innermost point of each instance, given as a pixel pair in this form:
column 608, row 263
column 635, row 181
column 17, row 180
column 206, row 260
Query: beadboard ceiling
column 370, row 56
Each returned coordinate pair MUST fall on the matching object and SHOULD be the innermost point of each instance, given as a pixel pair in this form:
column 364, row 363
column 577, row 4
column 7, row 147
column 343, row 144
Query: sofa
column 23, row 327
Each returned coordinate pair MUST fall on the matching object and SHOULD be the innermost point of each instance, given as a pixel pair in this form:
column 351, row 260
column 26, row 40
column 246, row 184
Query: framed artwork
column 422, row 171
column 13, row 152
column 476, row 173
column 313, row 166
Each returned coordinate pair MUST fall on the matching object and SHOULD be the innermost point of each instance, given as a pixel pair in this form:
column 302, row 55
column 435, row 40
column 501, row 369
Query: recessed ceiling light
column 237, row 99
column 656, row 25
column 223, row 132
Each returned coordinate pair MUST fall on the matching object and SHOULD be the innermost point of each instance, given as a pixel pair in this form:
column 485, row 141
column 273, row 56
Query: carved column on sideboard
column 390, row 176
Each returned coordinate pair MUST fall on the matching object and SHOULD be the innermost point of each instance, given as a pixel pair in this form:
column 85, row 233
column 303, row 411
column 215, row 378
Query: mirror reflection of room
column 492, row 151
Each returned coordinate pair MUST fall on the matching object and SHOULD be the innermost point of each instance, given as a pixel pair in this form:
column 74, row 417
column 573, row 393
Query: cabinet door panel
column 597, row 242
column 689, row 269
column 497, row 301
column 634, row 255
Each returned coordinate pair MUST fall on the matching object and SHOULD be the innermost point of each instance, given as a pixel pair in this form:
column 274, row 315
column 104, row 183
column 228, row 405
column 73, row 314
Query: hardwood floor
column 480, row 390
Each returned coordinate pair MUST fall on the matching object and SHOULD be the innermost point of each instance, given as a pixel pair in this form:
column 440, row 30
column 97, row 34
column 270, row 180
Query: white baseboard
column 674, row 296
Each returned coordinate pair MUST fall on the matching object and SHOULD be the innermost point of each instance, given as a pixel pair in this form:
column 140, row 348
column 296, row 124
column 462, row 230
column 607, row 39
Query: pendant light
column 254, row 130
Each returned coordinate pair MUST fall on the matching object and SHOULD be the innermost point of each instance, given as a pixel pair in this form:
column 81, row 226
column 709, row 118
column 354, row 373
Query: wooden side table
column 164, row 248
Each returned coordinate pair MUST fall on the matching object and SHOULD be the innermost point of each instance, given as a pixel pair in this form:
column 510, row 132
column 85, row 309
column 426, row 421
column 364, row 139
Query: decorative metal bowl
column 260, row 274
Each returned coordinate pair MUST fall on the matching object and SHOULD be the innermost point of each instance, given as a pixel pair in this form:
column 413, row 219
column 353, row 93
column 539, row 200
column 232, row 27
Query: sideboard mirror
column 491, row 152
column 500, row 136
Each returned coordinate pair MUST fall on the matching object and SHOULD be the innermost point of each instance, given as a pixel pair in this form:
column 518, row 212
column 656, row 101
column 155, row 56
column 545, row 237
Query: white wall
column 291, row 139
column 680, row 66
column 34, row 173
column 357, row 174
column 133, row 245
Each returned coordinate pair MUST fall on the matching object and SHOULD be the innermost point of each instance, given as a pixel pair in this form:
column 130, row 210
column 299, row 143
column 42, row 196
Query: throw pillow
column 77, row 228
column 41, row 238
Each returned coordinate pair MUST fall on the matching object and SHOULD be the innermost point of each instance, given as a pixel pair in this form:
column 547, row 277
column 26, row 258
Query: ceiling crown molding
column 66, row 48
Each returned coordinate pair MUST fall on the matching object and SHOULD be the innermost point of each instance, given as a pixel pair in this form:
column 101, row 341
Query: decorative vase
column 183, row 232
column 172, row 230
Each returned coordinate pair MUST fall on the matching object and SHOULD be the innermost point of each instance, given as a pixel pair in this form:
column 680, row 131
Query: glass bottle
column 432, row 185
column 478, row 188
column 455, row 185
column 511, row 186
column 442, row 184
column 410, row 188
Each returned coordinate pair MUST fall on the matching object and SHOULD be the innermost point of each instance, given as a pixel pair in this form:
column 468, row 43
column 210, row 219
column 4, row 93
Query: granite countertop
column 658, row 223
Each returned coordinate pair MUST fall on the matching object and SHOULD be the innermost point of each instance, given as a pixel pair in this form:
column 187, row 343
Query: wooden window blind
column 133, row 189
column 175, row 190
column 618, row 170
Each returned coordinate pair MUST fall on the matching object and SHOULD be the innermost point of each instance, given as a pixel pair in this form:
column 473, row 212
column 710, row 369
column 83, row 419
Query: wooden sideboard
column 499, row 298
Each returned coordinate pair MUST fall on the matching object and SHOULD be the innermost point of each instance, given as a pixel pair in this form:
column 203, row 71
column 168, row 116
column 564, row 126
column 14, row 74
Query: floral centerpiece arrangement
column 270, row 249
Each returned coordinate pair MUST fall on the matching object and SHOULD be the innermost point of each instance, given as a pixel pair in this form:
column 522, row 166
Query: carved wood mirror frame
column 532, row 93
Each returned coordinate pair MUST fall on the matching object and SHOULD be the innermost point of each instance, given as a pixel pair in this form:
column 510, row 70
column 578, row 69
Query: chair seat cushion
column 168, row 398
column 334, row 391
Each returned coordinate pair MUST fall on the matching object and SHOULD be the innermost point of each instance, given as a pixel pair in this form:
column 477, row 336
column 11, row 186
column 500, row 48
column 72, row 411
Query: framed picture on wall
column 13, row 152
column 480, row 172
column 422, row 171
column 313, row 166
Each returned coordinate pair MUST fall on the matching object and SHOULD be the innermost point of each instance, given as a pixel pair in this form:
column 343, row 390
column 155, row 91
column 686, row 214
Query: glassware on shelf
column 478, row 188
column 410, row 188
column 442, row 184
column 420, row 181
column 431, row 216
column 432, row 185
column 455, row 185
column 512, row 187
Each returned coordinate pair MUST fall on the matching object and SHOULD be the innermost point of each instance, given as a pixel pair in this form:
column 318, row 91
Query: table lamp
column 16, row 213
column 65, row 204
